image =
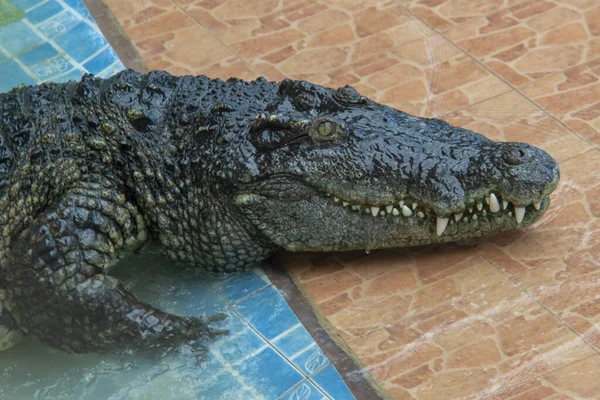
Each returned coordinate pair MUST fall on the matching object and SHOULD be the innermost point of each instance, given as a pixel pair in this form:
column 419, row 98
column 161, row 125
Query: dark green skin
column 219, row 175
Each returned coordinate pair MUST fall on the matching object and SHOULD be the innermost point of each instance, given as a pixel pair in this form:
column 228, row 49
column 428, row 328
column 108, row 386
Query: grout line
column 516, row 88
column 213, row 34
column 20, row 63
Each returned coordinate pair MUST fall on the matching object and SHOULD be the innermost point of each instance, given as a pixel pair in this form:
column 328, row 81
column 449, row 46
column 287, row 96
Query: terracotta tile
column 580, row 378
column 573, row 97
column 532, row 39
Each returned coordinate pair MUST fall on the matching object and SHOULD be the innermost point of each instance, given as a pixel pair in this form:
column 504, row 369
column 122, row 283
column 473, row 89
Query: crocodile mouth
column 479, row 212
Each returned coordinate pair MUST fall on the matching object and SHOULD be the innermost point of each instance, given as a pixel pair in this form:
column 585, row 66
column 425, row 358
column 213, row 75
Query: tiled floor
column 511, row 317
column 268, row 353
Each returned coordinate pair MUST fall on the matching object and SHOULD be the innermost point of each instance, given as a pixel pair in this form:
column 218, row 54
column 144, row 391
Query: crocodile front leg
column 10, row 334
column 58, row 287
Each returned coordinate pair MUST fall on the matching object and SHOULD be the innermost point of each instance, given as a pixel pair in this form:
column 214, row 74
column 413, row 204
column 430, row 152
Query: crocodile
column 219, row 175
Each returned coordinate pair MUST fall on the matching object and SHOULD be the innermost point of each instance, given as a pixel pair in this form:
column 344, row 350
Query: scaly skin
column 219, row 175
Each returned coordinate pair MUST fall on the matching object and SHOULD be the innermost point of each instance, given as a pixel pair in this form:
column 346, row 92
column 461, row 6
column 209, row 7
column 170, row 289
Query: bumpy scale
column 220, row 175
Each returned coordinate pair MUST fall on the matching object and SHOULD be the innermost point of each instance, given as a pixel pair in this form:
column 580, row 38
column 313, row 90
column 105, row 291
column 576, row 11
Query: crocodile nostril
column 516, row 154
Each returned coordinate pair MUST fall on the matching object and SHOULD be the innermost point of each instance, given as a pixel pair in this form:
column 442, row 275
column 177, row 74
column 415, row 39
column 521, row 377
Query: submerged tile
column 18, row 38
column 15, row 75
column 332, row 383
column 51, row 68
column 101, row 61
column 44, row 12
column 59, row 24
column 268, row 312
column 304, row 391
column 39, row 54
column 242, row 285
column 81, row 42
column 268, row 373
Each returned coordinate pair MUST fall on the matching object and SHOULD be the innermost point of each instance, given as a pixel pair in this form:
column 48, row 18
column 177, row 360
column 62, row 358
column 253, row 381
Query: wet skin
column 219, row 175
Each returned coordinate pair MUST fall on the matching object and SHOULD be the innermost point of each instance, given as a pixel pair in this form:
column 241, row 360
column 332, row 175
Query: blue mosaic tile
column 294, row 341
column 310, row 361
column 113, row 69
column 3, row 57
column 333, row 385
column 81, row 42
column 11, row 70
column 224, row 386
column 39, row 54
column 18, row 38
column 74, row 75
column 79, row 7
column 44, row 12
column 101, row 61
column 239, row 346
column 304, row 391
column 58, row 25
column 24, row 5
column 268, row 373
column 54, row 67
column 268, row 312
column 242, row 285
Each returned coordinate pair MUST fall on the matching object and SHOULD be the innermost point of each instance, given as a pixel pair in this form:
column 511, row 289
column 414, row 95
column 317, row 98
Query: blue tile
column 113, row 69
column 74, row 75
column 240, row 346
column 304, row 391
column 12, row 76
column 310, row 361
column 18, row 38
column 224, row 386
column 101, row 61
column 241, row 285
column 24, row 5
column 58, row 25
column 268, row 373
column 39, row 54
column 268, row 312
column 3, row 57
column 333, row 385
column 79, row 7
column 81, row 42
column 43, row 12
column 294, row 341
column 54, row 67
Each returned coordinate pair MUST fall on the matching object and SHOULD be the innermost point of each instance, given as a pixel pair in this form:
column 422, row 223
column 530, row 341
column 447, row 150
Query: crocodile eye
column 325, row 128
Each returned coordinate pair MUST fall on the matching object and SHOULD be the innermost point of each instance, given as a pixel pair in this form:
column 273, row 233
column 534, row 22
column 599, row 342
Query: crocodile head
column 327, row 169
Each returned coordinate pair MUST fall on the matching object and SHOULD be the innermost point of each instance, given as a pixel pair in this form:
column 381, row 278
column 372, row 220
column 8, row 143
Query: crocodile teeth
column 389, row 208
column 494, row 204
column 382, row 213
column 401, row 203
column 487, row 200
column 504, row 204
column 374, row 211
column 336, row 199
column 407, row 212
column 441, row 225
column 458, row 216
column 519, row 214
column 537, row 205
column 356, row 208
column 414, row 206
column 345, row 203
column 479, row 205
column 395, row 211
column 470, row 210
column 420, row 214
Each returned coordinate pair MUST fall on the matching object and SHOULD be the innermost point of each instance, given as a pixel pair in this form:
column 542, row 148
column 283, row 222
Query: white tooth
column 510, row 213
column 367, row 210
column 401, row 203
column 537, row 205
column 420, row 214
column 519, row 214
column 374, row 211
column 494, row 204
column 414, row 205
column 336, row 199
column 382, row 213
column 475, row 216
column 345, row 203
column 470, row 210
column 487, row 200
column 466, row 219
column 484, row 213
column 355, row 207
column 479, row 205
column 389, row 208
column 504, row 204
column 407, row 212
column 458, row 216
column 441, row 225
column 395, row 211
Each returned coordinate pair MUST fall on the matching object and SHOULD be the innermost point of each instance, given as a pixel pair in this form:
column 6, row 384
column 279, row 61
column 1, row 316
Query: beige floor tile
column 532, row 39
column 573, row 96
